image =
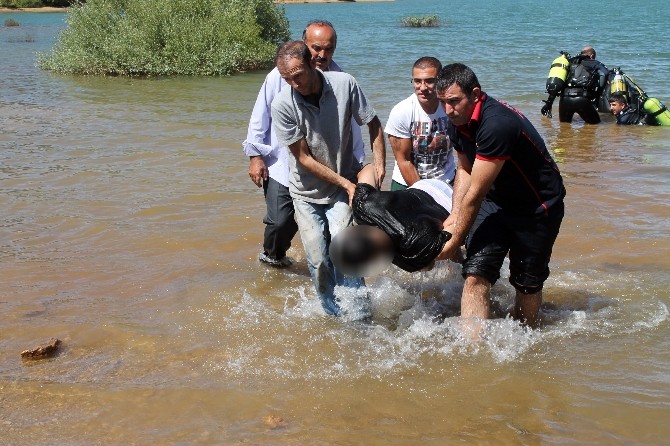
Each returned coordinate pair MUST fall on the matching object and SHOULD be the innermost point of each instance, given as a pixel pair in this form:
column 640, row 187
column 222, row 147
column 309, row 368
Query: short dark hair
column 618, row 96
column 427, row 62
column 319, row 22
column 588, row 51
column 294, row 49
column 459, row 74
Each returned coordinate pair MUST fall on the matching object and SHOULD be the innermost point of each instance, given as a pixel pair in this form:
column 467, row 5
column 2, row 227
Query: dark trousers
column 280, row 225
column 569, row 105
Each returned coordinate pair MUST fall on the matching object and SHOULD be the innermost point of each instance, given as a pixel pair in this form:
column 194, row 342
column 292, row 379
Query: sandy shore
column 43, row 9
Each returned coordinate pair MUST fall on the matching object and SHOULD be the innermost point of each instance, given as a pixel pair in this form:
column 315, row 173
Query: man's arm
column 364, row 113
column 357, row 136
column 257, row 134
column 367, row 175
column 303, row 155
column 257, row 144
column 378, row 150
column 467, row 201
column 258, row 171
column 402, row 151
column 461, row 185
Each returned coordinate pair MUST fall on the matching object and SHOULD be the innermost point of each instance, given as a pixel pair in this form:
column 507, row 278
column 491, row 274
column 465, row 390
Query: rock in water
column 274, row 421
column 42, row 350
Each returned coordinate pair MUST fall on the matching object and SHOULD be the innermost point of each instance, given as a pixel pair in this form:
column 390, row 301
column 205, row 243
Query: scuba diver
column 580, row 81
column 403, row 227
column 625, row 114
column 631, row 105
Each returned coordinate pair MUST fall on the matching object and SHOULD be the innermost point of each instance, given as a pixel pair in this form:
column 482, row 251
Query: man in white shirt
column 268, row 162
column 417, row 131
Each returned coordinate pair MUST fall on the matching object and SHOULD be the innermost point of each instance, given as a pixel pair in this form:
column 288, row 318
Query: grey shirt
column 327, row 131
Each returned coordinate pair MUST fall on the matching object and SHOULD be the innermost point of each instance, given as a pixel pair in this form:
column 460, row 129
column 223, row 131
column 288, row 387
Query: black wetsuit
column 411, row 217
column 583, row 100
column 629, row 117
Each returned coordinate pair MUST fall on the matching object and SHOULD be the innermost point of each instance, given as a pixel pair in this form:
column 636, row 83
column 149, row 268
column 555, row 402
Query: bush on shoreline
column 167, row 37
column 425, row 21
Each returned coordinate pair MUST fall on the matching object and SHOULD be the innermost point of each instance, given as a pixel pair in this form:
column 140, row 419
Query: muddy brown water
column 129, row 229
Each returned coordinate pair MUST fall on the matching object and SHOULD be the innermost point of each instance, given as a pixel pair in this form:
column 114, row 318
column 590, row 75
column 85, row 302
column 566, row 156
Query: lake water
column 129, row 229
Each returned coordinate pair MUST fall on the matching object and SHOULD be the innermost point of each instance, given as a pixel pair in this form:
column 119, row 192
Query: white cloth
column 432, row 151
column 438, row 189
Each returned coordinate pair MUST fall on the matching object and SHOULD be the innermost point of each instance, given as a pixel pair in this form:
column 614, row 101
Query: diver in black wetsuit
column 585, row 84
column 581, row 94
column 627, row 115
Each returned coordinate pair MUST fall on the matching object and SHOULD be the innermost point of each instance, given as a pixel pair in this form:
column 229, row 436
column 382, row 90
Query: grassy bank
column 168, row 37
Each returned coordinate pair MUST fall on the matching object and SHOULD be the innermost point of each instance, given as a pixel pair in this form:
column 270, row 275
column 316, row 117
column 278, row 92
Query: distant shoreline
column 40, row 9
column 279, row 2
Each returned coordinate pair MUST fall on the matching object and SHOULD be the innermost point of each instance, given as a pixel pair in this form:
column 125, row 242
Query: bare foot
column 472, row 328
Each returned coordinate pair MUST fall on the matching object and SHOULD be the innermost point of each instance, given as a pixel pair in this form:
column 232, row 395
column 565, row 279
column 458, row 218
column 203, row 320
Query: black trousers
column 569, row 105
column 280, row 225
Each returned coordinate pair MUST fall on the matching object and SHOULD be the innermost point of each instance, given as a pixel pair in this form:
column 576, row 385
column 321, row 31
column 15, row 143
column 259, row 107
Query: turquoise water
column 509, row 43
column 129, row 229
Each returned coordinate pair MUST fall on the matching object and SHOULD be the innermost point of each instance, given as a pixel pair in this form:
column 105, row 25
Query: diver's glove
column 546, row 108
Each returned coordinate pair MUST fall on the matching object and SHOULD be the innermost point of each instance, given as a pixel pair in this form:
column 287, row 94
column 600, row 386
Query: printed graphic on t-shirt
column 431, row 147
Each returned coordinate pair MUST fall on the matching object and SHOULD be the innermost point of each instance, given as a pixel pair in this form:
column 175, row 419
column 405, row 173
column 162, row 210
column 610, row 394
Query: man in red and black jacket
column 508, row 196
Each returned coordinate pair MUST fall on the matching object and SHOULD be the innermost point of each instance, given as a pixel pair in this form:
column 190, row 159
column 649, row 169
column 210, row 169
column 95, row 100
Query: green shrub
column 167, row 37
column 11, row 22
column 421, row 21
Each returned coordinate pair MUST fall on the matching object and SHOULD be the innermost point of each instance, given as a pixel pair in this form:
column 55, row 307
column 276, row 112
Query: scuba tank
column 652, row 106
column 657, row 110
column 618, row 84
column 557, row 74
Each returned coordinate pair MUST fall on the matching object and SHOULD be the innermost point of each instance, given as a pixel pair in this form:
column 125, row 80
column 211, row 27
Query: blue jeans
column 318, row 223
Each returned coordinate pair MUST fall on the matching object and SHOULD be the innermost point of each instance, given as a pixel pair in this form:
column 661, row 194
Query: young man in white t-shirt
column 417, row 131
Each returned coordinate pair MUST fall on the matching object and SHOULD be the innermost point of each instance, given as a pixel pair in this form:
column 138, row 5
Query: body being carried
column 405, row 227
